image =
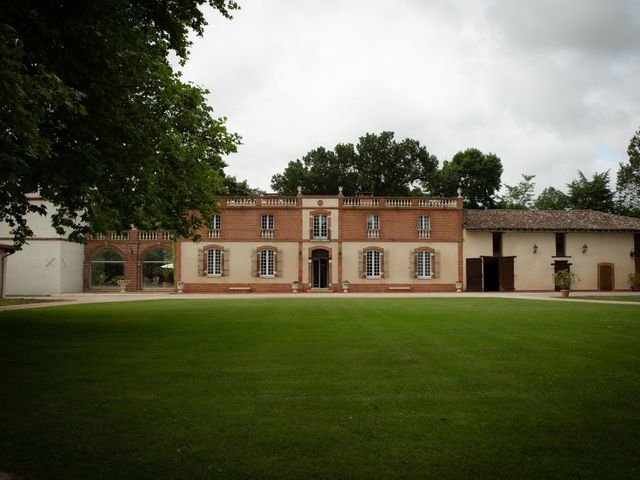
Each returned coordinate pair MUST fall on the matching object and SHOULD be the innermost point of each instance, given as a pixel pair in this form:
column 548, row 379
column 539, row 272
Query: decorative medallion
column 320, row 203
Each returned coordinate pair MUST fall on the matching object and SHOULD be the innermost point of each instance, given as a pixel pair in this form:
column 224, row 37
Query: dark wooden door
column 605, row 277
column 505, row 269
column 474, row 274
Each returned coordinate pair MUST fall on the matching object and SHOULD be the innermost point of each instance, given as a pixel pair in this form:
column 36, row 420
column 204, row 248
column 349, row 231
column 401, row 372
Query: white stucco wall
column 534, row 271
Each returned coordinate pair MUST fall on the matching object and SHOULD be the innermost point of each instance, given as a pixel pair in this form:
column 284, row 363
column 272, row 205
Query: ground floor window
column 157, row 268
column 372, row 264
column 107, row 267
column 214, row 262
column 423, row 264
column 267, row 263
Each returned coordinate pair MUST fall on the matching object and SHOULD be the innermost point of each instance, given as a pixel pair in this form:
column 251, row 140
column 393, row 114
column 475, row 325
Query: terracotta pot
column 565, row 293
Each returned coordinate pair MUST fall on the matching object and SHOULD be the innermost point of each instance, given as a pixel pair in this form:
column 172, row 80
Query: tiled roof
column 549, row 220
column 7, row 247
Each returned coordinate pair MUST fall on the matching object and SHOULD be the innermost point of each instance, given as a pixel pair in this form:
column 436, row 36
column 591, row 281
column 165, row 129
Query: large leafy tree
column 551, row 199
column 520, row 196
column 477, row 173
column 628, row 181
column 378, row 164
column 94, row 118
column 594, row 194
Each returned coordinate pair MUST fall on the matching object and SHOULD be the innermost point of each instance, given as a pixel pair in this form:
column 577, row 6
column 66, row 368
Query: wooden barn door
column 474, row 274
column 507, row 282
column 605, row 277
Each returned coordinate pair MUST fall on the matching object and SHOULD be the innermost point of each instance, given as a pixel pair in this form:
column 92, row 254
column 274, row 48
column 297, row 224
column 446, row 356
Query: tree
column 477, row 173
column 594, row 194
column 377, row 164
column 628, row 182
column 520, row 196
column 551, row 199
column 95, row 119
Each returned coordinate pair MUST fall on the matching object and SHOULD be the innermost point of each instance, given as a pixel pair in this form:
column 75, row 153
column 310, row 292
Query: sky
column 550, row 86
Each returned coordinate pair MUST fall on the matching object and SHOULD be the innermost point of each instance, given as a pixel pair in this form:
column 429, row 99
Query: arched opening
column 157, row 268
column 107, row 267
column 319, row 268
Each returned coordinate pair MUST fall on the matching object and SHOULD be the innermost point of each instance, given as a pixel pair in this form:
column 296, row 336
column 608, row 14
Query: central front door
column 320, row 269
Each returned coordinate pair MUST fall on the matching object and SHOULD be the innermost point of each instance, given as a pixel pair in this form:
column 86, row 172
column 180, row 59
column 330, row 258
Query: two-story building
column 265, row 244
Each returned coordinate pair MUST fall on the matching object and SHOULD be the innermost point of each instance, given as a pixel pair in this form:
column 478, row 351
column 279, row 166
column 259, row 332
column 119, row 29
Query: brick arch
column 424, row 249
column 317, row 247
column 90, row 250
column 148, row 248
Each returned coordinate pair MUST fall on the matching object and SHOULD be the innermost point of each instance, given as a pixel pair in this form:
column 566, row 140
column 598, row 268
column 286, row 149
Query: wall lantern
column 535, row 248
column 632, row 253
column 585, row 247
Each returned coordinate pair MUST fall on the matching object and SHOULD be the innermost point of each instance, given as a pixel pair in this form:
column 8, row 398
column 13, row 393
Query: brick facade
column 241, row 237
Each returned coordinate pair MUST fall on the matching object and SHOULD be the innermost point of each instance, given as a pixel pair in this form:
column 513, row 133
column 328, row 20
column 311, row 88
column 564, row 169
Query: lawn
column 617, row 298
column 472, row 388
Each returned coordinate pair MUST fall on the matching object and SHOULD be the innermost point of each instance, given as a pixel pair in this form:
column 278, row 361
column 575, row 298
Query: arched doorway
column 319, row 268
column 107, row 267
column 157, row 268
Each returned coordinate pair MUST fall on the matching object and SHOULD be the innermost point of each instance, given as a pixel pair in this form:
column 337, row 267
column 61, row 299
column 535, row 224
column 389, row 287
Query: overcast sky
column 550, row 86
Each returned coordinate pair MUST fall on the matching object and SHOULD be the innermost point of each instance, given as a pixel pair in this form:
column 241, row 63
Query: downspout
column 4, row 270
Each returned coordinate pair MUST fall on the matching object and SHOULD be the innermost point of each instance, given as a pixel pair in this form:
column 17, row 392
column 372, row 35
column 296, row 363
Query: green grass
column 618, row 298
column 322, row 388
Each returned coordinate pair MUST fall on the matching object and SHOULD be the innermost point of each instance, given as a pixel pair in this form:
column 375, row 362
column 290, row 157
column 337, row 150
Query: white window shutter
column 201, row 262
column 360, row 264
column 226, row 258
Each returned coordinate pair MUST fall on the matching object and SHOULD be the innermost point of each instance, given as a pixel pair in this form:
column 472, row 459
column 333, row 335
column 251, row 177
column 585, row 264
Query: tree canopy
column 378, row 164
column 94, row 118
column 520, row 196
column 628, row 181
column 477, row 173
column 594, row 194
column 551, row 199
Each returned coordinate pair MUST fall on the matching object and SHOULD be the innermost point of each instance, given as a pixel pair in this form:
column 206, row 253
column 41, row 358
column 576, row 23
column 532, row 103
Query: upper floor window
column 373, row 262
column 560, row 245
column 424, row 226
column 215, row 226
column 320, row 227
column 373, row 226
column 214, row 262
column 497, row 244
column 424, row 264
column 267, row 263
column 267, row 225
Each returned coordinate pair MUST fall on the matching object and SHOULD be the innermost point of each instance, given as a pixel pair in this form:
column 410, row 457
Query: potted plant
column 345, row 286
column 565, row 280
column 166, row 276
column 121, row 282
column 294, row 286
column 634, row 281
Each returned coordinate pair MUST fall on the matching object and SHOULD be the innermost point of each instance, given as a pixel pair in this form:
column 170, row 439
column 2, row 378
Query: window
column 215, row 226
column 267, row 264
column 497, row 244
column 423, row 264
column 424, row 226
column 157, row 268
column 320, row 227
column 560, row 245
column 214, row 262
column 372, row 264
column 373, row 226
column 267, row 224
column 107, row 267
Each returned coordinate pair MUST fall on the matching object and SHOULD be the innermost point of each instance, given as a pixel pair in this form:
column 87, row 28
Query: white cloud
column 550, row 87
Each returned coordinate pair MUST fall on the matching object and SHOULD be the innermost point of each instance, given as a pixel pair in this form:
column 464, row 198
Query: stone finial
column 299, row 190
column 459, row 192
column 340, row 190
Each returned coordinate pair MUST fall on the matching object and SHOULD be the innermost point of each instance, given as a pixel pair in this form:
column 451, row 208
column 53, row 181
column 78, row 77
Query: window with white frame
column 424, row 226
column 214, row 262
column 372, row 264
column 373, row 222
column 424, row 267
column 267, row 263
column 320, row 227
column 214, row 227
column 267, row 222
